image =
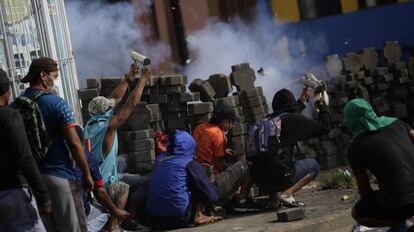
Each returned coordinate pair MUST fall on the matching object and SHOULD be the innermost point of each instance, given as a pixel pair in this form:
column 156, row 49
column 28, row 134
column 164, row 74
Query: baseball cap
column 4, row 82
column 41, row 64
column 99, row 105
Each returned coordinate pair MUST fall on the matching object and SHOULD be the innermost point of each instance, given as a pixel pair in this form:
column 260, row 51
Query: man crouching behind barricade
column 179, row 186
column 212, row 152
column 270, row 146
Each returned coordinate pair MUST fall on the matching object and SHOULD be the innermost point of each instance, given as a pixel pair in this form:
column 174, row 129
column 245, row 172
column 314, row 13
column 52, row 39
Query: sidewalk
column 325, row 211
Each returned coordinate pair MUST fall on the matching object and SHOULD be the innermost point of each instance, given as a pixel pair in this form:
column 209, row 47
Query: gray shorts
column 229, row 180
column 68, row 213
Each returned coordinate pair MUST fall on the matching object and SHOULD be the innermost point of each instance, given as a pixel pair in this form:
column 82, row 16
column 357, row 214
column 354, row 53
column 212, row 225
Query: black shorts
column 369, row 207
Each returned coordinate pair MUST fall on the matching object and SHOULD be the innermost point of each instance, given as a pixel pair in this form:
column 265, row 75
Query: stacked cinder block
column 172, row 99
column 251, row 98
column 137, row 139
column 108, row 84
column 389, row 88
column 86, row 95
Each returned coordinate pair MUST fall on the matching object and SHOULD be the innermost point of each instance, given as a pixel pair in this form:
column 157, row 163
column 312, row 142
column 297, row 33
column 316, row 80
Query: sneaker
column 289, row 201
column 249, row 206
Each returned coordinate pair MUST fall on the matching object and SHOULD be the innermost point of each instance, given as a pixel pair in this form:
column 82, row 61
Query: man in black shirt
column 383, row 146
column 19, row 175
column 295, row 127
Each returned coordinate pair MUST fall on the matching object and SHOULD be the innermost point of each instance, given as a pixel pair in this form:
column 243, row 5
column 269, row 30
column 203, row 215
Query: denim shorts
column 304, row 167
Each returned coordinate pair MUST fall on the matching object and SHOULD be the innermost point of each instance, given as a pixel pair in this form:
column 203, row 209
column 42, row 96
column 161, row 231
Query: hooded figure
column 175, row 180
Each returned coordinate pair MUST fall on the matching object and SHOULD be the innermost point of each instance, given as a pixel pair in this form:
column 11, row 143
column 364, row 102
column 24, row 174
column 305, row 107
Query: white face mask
column 45, row 84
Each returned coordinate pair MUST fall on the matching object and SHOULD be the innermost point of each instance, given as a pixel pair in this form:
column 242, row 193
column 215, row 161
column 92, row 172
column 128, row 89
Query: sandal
column 290, row 202
column 210, row 219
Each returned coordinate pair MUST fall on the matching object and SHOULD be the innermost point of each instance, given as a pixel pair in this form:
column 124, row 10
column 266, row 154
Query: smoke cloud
column 103, row 35
column 283, row 51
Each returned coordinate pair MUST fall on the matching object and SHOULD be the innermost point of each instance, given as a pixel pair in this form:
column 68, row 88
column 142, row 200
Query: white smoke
column 283, row 54
column 103, row 35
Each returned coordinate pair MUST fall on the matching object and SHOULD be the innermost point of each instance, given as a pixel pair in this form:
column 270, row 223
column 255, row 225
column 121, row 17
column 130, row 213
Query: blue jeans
column 305, row 167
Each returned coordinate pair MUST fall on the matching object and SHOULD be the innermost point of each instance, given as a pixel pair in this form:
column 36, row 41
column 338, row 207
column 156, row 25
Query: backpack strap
column 36, row 96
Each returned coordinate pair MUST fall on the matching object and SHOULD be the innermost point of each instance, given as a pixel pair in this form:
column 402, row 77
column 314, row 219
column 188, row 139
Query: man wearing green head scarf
column 383, row 146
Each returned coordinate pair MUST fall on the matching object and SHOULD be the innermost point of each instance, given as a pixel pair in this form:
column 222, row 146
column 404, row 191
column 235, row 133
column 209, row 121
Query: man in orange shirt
column 211, row 152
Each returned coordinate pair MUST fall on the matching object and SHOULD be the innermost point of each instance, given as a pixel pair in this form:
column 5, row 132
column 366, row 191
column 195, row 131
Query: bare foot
column 203, row 219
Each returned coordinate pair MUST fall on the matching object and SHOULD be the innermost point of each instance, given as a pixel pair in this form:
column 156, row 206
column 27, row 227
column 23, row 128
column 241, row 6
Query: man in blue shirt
column 98, row 217
column 66, row 149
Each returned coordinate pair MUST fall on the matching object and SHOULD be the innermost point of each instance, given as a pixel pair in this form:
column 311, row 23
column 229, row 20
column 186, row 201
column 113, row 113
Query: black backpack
column 37, row 134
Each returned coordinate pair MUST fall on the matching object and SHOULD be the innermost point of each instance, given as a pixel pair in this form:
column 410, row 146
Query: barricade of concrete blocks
column 389, row 88
column 254, row 104
column 140, row 147
column 172, row 99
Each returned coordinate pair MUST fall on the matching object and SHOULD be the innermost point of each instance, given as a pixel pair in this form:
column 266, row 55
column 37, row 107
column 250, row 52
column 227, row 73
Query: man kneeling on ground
column 179, row 185
column 277, row 170
column 383, row 146
column 212, row 152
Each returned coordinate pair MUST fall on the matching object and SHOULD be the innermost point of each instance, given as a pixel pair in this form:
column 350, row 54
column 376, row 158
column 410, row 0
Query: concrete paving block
column 255, row 118
column 141, row 145
column 138, row 135
column 352, row 62
column 172, row 89
column 367, row 81
column 369, row 58
column 197, row 119
column 156, row 117
column 231, row 101
column 144, row 166
column 150, row 90
column 207, row 92
column 385, row 78
column 141, row 156
column 336, row 132
column 238, row 111
column 403, row 79
column 173, row 80
column 92, row 83
column 253, row 92
column 380, row 87
column 185, row 97
column 174, row 115
column 262, row 109
column 380, row 109
column 200, row 108
column 155, row 108
column 176, row 123
column 398, row 65
column 253, row 101
column 333, row 65
column 110, row 82
column 157, row 126
column 238, row 129
column 381, row 71
column 242, row 76
column 410, row 66
column 392, row 52
column 138, row 120
column 291, row 214
column 86, row 95
column 221, row 84
column 173, row 107
column 158, row 99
